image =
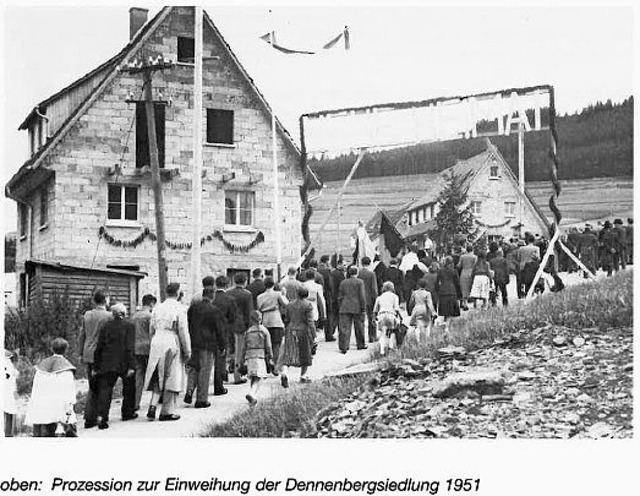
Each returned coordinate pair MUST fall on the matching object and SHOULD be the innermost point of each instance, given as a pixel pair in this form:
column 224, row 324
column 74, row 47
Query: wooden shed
column 45, row 279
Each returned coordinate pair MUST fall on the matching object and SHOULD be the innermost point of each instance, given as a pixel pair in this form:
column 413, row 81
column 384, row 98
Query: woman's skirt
column 257, row 367
column 481, row 287
column 387, row 321
column 448, row 306
column 296, row 351
column 420, row 313
column 466, row 280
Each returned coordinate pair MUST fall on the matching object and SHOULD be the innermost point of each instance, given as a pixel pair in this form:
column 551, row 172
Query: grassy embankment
column 603, row 304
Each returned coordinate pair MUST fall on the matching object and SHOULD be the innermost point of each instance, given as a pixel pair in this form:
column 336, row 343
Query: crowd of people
column 244, row 332
column 610, row 247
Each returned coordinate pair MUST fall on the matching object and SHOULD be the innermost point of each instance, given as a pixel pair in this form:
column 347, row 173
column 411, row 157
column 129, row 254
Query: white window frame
column 476, row 207
column 507, row 209
column 122, row 221
column 237, row 226
column 497, row 174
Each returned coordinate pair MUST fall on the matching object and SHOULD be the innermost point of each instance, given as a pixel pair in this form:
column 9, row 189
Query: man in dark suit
column 336, row 277
column 629, row 240
column 325, row 271
column 227, row 307
column 115, row 357
column 367, row 276
column 380, row 270
column 244, row 307
column 396, row 276
column 87, row 340
column 256, row 287
column 620, row 257
column 352, row 305
column 207, row 337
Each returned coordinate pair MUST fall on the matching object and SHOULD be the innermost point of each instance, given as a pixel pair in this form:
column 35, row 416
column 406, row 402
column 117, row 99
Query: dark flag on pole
column 392, row 239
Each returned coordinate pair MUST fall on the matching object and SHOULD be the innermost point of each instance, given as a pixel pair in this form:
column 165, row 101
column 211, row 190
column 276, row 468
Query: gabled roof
column 116, row 63
column 512, row 176
column 114, row 66
column 469, row 169
column 466, row 168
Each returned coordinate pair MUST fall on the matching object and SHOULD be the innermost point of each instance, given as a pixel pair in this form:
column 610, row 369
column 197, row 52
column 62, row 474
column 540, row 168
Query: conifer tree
column 454, row 217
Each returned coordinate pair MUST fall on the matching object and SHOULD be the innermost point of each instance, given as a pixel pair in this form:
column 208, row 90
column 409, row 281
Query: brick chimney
column 137, row 19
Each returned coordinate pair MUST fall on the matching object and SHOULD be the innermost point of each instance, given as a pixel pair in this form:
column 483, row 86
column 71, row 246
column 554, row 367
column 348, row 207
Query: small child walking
column 258, row 353
column 53, row 395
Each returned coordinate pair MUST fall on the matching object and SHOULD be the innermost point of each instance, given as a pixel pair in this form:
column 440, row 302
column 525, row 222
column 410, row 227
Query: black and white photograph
column 318, row 221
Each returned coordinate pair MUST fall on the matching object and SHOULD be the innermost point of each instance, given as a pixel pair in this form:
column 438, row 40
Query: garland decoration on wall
column 493, row 226
column 147, row 233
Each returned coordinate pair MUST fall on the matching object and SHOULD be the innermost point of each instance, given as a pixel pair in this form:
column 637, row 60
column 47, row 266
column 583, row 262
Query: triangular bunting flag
column 270, row 38
column 334, row 41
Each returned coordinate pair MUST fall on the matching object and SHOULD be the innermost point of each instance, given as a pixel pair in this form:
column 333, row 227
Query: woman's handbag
column 401, row 333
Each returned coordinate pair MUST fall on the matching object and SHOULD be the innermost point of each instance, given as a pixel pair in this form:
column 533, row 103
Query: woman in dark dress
column 449, row 292
column 298, row 337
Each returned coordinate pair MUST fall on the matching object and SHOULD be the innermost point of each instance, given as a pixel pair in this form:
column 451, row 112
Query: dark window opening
column 44, row 206
column 494, row 171
column 24, row 220
column 220, row 126
column 24, row 290
column 186, row 49
column 142, row 138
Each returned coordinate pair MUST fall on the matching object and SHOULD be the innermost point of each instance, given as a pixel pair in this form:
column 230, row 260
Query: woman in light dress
column 482, row 275
column 387, row 313
column 258, row 355
column 465, row 267
column 421, row 309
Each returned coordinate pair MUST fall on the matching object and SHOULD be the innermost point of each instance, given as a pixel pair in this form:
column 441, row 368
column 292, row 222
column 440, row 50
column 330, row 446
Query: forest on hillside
column 594, row 142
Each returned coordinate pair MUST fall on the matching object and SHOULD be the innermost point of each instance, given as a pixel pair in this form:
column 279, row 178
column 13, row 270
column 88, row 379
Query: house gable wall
column 101, row 138
column 493, row 193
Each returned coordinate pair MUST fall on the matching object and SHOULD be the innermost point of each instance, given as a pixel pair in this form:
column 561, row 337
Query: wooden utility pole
column 156, row 184
column 147, row 71
column 196, row 181
column 521, row 156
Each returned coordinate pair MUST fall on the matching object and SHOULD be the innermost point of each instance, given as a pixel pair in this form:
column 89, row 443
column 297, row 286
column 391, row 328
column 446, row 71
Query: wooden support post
column 543, row 263
column 196, row 181
column 156, row 184
column 338, row 247
column 337, row 202
column 575, row 259
column 277, row 218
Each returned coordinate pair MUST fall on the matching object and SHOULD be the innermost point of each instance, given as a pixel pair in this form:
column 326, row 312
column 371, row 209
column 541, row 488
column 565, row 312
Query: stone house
column 85, row 198
column 500, row 209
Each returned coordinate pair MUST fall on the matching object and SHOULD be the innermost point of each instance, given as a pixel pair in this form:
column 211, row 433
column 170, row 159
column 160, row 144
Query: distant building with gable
column 500, row 209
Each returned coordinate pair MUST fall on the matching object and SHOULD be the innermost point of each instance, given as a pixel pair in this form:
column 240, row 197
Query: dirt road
column 326, row 361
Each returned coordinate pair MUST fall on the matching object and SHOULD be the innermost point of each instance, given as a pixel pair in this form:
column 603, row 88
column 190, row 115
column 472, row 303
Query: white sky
column 398, row 53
